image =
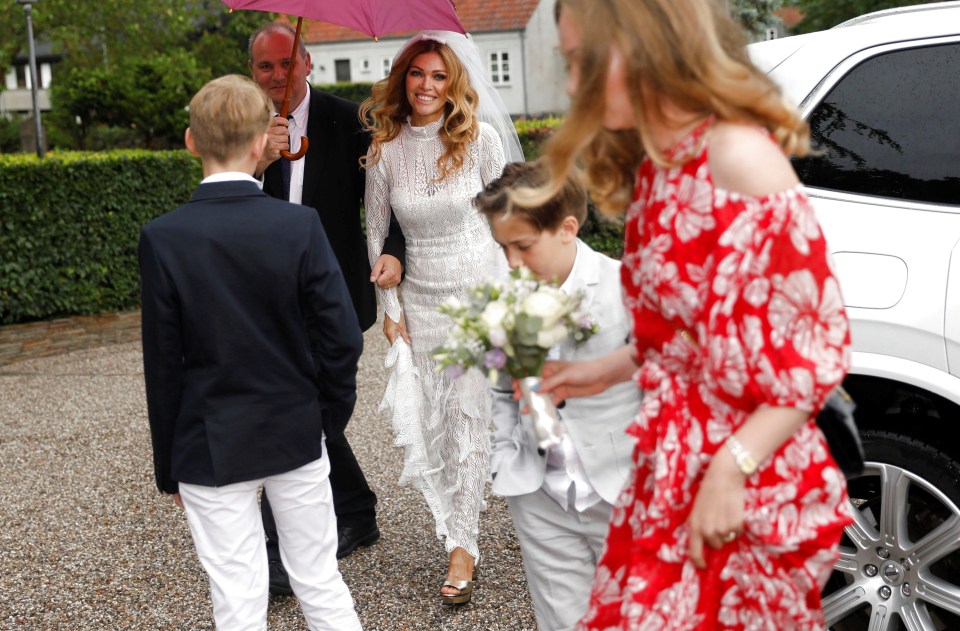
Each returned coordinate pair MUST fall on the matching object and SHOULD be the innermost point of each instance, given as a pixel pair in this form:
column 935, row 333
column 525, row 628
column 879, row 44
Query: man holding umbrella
column 329, row 179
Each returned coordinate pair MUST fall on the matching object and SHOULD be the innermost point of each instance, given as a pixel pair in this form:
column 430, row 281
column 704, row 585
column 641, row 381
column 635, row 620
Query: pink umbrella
column 373, row 17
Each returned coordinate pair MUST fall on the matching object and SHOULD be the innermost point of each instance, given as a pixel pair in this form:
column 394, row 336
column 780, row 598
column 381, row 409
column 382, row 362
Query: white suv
column 882, row 96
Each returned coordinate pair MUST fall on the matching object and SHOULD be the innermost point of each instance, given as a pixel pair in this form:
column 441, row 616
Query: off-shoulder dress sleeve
column 775, row 327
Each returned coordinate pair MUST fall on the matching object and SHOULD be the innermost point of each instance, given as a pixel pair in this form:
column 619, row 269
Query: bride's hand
column 391, row 329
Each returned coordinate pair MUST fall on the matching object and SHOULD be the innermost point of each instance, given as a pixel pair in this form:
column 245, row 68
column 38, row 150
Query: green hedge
column 355, row 92
column 602, row 233
column 70, row 223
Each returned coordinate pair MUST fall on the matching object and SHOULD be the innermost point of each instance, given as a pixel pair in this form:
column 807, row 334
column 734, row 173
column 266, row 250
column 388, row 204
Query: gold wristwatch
column 747, row 464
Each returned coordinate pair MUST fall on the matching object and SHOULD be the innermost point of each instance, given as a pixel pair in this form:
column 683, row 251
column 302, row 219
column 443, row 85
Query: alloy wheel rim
column 884, row 562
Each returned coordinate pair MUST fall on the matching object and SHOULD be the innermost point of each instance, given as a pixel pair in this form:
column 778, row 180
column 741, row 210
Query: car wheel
column 899, row 565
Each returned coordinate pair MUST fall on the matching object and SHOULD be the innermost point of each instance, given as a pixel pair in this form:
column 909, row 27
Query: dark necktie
column 285, row 172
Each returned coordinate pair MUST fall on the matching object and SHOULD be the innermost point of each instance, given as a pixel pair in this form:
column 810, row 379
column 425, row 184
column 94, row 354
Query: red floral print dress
column 750, row 279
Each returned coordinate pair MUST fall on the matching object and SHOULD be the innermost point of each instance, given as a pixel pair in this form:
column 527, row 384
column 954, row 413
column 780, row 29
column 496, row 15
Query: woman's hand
column 718, row 508
column 563, row 380
column 717, row 515
column 391, row 329
column 386, row 271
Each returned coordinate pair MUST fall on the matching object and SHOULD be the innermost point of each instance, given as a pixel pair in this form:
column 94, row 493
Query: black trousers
column 354, row 501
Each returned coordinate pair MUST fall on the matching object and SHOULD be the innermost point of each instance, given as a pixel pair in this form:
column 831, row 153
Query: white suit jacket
column 596, row 424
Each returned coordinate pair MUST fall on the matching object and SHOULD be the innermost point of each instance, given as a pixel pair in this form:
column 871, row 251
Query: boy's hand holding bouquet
column 510, row 327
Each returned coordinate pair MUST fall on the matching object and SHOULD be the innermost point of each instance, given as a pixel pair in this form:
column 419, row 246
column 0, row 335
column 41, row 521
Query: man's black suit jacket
column 333, row 184
column 249, row 338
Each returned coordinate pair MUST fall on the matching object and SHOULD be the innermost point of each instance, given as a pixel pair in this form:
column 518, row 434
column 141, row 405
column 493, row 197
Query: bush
column 534, row 132
column 70, row 224
column 603, row 234
column 10, row 134
column 355, row 92
column 139, row 100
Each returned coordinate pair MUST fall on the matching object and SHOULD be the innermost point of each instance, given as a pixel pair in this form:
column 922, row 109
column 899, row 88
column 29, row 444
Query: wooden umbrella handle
column 304, row 145
column 285, row 105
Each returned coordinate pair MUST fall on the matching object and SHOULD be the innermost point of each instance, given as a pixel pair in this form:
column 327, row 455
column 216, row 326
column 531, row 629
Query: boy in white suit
column 561, row 500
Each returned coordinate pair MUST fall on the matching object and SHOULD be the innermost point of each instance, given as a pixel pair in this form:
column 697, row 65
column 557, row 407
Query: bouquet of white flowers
column 509, row 327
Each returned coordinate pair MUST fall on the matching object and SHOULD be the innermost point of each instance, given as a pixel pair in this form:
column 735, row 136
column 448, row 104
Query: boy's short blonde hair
column 569, row 201
column 226, row 115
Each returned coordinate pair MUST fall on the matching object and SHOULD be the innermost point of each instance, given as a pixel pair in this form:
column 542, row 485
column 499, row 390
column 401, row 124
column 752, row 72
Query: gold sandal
column 463, row 595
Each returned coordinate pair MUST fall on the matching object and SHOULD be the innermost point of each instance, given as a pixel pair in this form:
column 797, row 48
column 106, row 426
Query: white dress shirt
column 563, row 464
column 229, row 176
column 298, row 128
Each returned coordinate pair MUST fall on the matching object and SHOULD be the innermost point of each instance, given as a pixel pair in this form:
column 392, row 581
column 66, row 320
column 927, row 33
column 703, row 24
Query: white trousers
column 560, row 551
column 228, row 534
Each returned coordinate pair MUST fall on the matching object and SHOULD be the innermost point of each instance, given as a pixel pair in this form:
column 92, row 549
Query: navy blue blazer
column 333, row 184
column 249, row 337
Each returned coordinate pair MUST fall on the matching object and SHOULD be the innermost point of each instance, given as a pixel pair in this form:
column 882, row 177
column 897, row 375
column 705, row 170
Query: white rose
column 498, row 337
column 453, row 303
column 493, row 315
column 546, row 303
column 547, row 338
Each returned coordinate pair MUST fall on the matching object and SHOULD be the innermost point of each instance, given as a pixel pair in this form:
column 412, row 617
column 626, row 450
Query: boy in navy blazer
column 250, row 349
column 560, row 500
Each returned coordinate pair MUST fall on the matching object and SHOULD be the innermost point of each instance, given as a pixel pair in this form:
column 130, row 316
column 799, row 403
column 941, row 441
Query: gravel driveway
column 86, row 542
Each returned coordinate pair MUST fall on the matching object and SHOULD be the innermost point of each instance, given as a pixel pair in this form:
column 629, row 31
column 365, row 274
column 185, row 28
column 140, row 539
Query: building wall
column 545, row 75
column 17, row 98
column 367, row 61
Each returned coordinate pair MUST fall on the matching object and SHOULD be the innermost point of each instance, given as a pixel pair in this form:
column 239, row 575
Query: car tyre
column 899, row 565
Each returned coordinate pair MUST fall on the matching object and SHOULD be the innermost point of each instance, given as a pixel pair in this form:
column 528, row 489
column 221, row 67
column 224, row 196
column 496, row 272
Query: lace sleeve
column 377, row 204
column 491, row 154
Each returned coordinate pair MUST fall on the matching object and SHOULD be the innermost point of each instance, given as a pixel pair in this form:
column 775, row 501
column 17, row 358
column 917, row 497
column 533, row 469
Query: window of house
column 342, row 70
column 384, row 67
column 23, row 77
column 365, row 65
column 500, row 67
column 888, row 128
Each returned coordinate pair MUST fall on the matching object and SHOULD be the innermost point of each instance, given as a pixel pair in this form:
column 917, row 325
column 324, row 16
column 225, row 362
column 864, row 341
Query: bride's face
column 426, row 88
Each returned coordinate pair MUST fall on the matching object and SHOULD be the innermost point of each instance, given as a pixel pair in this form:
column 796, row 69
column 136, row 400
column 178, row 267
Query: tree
column 219, row 39
column 13, row 26
column 819, row 15
column 130, row 67
column 147, row 96
column 755, row 15
column 102, row 33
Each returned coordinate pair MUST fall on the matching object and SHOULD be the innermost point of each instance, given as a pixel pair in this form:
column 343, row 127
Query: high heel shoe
column 463, row 595
column 464, row 589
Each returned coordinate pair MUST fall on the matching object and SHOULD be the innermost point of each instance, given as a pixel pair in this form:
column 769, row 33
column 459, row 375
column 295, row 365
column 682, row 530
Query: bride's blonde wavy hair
column 690, row 53
column 387, row 109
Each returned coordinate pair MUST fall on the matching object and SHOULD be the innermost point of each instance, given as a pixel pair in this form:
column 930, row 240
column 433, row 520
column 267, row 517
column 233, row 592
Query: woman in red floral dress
column 736, row 507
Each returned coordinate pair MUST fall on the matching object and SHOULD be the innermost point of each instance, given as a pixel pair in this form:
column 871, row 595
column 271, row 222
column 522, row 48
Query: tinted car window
column 891, row 128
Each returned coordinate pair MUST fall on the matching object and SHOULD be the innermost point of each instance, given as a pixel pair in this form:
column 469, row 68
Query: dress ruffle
column 418, row 427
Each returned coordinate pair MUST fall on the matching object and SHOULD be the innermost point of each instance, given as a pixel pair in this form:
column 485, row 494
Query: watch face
column 744, row 461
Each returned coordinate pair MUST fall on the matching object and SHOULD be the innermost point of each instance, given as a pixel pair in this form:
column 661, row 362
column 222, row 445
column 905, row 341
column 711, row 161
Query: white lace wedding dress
column 442, row 424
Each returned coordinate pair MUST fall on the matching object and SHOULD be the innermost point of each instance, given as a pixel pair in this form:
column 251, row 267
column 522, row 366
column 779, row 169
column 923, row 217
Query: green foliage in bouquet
column 510, row 326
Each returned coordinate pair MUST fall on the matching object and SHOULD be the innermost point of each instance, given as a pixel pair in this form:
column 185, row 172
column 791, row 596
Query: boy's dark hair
column 570, row 201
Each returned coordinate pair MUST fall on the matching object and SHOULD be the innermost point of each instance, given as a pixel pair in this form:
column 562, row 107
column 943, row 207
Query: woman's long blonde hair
column 387, row 109
column 687, row 51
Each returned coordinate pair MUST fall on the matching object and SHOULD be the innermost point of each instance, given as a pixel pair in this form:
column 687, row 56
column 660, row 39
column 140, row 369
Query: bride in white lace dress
column 429, row 157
